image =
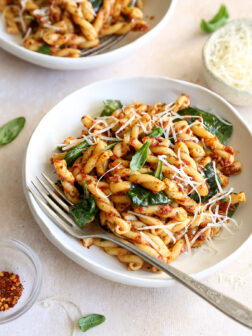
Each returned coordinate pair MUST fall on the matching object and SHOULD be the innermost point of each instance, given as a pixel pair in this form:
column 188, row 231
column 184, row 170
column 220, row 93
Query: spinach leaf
column 143, row 197
column 211, row 180
column 111, row 146
column 10, row 130
column 45, row 49
column 75, row 152
column 140, row 157
column 232, row 209
column 110, row 106
column 158, row 131
column 85, row 210
column 90, row 321
column 213, row 124
column 158, row 172
column 96, row 4
column 216, row 22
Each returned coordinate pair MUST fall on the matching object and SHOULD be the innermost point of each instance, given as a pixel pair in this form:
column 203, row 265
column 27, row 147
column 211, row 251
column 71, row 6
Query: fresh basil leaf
column 158, row 131
column 213, row 124
column 75, row 152
column 110, row 106
column 211, row 181
column 143, row 197
column 232, row 209
column 140, row 157
column 45, row 49
column 96, row 4
column 84, row 212
column 111, row 146
column 10, row 130
column 90, row 321
column 216, row 22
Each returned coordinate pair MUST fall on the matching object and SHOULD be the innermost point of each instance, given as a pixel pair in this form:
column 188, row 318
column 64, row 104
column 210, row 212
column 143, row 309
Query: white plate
column 64, row 120
column 159, row 11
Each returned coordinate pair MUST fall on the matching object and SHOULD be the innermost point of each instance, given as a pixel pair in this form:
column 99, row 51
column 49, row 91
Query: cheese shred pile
column 230, row 55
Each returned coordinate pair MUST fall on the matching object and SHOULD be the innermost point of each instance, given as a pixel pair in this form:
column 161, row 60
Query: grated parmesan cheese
column 230, row 56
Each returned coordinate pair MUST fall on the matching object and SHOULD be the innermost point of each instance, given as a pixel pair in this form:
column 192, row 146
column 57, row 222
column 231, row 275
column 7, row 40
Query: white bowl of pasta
column 187, row 205
column 53, row 36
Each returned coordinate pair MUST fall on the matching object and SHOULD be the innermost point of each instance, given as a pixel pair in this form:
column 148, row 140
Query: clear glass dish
column 18, row 258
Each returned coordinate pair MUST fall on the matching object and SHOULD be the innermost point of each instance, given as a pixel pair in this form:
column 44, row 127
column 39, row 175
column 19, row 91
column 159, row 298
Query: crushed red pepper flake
column 10, row 290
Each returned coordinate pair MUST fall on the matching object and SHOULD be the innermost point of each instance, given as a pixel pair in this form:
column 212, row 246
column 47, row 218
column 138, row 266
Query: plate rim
column 110, row 274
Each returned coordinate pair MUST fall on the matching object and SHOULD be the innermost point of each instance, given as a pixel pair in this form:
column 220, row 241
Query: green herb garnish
column 10, row 130
column 211, row 181
column 216, row 22
column 158, row 131
column 84, row 212
column 140, row 157
column 75, row 152
column 213, row 124
column 144, row 197
column 90, row 321
column 110, row 106
column 45, row 49
column 111, row 146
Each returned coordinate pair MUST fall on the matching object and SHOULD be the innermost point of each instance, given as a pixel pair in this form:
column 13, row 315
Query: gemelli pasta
column 65, row 27
column 153, row 175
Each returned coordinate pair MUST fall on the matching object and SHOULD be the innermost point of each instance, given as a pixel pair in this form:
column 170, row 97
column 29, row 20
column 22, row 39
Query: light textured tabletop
column 31, row 91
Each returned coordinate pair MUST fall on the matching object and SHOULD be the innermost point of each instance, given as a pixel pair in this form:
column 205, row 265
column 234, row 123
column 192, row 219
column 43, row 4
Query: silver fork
column 106, row 42
column 58, row 209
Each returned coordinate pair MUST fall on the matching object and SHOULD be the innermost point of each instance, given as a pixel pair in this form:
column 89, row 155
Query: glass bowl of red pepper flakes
column 20, row 279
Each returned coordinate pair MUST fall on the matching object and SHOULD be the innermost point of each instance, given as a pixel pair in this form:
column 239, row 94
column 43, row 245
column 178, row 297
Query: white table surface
column 31, row 91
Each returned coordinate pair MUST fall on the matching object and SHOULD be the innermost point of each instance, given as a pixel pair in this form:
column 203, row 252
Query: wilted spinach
column 110, row 106
column 75, row 152
column 213, row 124
column 143, row 197
column 158, row 131
column 211, row 180
column 85, row 210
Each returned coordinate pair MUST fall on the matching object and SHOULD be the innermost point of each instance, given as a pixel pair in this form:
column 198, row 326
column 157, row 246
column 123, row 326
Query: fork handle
column 228, row 306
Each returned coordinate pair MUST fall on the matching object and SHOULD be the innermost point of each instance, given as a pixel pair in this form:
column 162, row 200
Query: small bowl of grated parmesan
column 227, row 62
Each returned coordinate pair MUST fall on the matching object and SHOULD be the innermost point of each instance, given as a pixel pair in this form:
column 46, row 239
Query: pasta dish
column 153, row 175
column 65, row 27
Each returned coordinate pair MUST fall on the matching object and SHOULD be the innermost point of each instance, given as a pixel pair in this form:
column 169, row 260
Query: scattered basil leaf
column 96, row 4
column 232, row 209
column 84, row 212
column 110, row 106
column 158, row 172
column 111, row 146
column 90, row 321
column 143, row 197
column 225, row 199
column 10, row 130
column 216, row 22
column 213, row 124
column 140, row 157
column 211, row 181
column 45, row 49
column 75, row 152
column 158, row 131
